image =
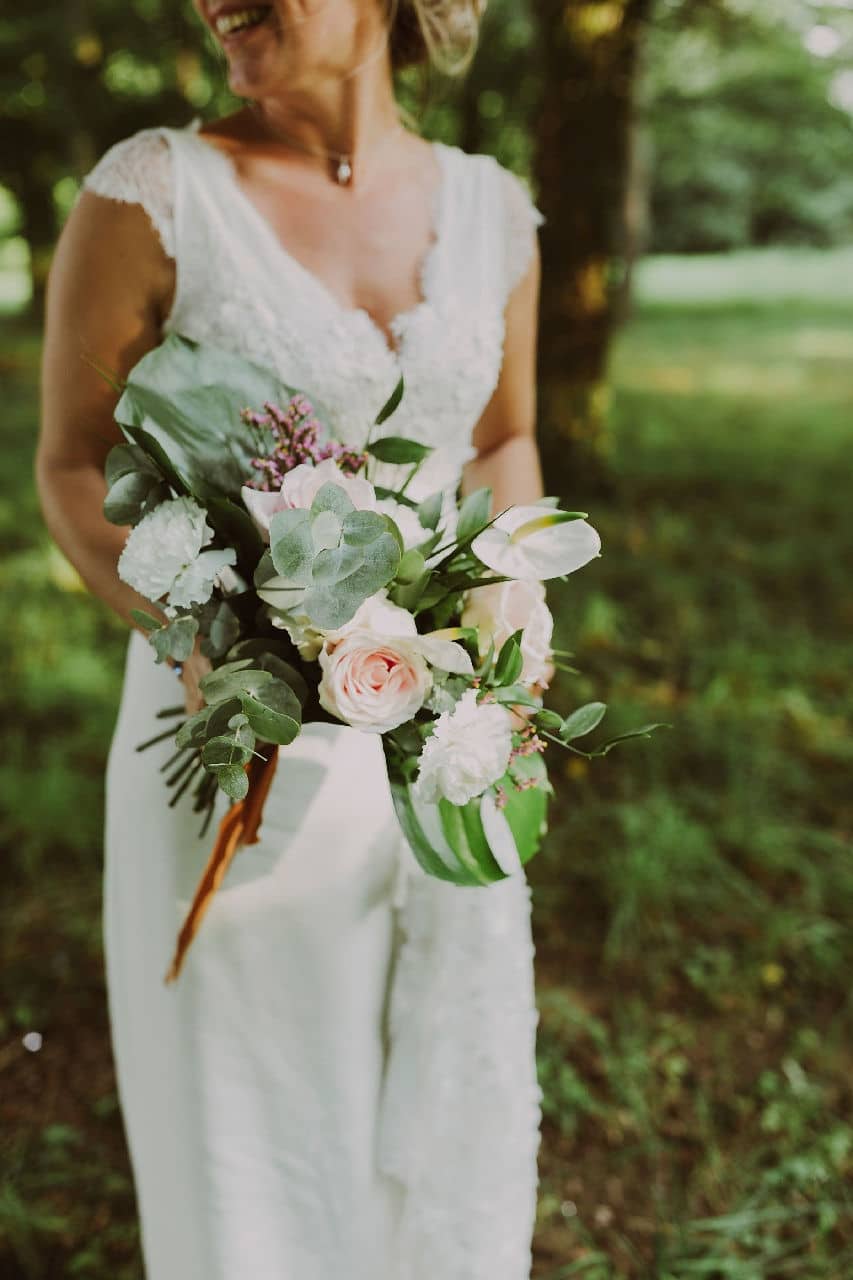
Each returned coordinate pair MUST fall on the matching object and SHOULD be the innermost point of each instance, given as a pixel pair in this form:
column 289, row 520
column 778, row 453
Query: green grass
column 693, row 905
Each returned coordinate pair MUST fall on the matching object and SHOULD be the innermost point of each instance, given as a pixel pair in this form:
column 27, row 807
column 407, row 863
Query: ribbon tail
column 239, row 826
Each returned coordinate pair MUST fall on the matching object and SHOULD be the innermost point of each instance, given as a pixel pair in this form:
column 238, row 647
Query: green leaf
column 223, row 632
column 233, row 780
column 146, row 620
column 236, row 528
column 582, row 721
column 193, row 732
column 411, row 566
column 332, row 606
column 361, row 527
column 464, row 833
column 228, row 749
column 273, row 711
column 332, row 497
column 291, row 545
column 175, row 640
column 548, row 719
column 510, row 661
column 155, row 451
column 429, row 511
column 391, row 403
column 232, row 679
column 325, row 530
column 398, row 450
column 425, row 854
column 474, row 514
column 331, row 566
column 187, row 398
column 527, row 811
column 516, row 695
column 645, row 731
column 125, row 458
column 125, row 501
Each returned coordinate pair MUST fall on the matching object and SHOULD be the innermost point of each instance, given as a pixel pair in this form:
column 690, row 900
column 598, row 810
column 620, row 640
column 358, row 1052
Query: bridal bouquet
column 321, row 589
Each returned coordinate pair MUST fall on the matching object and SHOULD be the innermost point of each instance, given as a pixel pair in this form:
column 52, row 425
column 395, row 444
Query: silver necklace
column 342, row 159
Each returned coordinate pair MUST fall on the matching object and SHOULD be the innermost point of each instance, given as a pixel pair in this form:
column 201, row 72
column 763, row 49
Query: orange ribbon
column 239, row 826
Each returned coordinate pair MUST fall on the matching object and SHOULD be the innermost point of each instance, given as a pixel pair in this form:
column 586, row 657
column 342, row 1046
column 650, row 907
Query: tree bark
column 589, row 59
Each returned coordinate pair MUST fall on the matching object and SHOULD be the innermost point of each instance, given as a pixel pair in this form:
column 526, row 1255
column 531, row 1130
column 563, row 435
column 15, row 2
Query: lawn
column 693, row 904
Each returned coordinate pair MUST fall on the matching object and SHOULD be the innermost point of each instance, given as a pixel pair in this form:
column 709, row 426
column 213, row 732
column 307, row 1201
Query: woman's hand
column 194, row 670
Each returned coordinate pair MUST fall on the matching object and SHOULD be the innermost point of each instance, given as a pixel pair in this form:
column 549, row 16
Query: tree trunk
column 588, row 58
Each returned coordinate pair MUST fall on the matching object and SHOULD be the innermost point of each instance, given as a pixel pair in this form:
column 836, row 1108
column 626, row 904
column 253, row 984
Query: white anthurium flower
column 299, row 489
column 536, row 542
column 163, row 554
column 499, row 835
column 468, row 750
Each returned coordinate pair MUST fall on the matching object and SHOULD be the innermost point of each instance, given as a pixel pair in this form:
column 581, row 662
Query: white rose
column 499, row 610
column 163, row 554
column 373, row 682
column 299, row 489
column 406, row 519
column 468, row 750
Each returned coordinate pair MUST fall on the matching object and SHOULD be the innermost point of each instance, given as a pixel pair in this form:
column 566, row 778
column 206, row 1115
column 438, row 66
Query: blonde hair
column 442, row 33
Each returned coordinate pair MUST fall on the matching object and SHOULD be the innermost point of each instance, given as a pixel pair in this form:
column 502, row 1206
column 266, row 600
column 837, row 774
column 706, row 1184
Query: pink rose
column 299, row 489
column 375, row 676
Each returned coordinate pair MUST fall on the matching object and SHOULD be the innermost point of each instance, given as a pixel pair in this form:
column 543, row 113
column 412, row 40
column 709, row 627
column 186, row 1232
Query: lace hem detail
column 138, row 170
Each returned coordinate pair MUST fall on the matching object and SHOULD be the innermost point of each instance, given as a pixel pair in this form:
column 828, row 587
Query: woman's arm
column 507, row 459
column 108, row 285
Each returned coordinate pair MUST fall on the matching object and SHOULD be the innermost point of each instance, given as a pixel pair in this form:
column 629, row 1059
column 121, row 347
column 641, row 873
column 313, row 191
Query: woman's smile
column 232, row 22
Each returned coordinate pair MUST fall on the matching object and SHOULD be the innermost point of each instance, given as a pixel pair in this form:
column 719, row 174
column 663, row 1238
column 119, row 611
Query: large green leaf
column 463, row 830
column 187, row 397
column 527, row 811
column 273, row 711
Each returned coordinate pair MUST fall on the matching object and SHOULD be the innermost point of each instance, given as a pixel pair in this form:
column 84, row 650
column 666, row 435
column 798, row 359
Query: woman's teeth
column 239, row 20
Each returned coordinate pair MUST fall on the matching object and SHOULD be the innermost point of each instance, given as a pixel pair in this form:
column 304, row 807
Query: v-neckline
column 399, row 323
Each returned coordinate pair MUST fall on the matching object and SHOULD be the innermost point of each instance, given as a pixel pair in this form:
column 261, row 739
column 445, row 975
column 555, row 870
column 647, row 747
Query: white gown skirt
column 272, row 1133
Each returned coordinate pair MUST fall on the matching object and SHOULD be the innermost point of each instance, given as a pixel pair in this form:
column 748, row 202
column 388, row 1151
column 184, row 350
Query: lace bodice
column 238, row 287
column 461, row 1012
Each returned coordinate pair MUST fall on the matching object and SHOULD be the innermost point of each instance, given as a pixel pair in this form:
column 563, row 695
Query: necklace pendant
column 343, row 173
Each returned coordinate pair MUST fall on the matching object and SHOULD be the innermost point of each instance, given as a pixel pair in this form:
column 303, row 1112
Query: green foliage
column 746, row 140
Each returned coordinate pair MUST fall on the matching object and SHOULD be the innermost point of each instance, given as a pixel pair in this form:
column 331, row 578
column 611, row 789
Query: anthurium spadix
column 537, row 542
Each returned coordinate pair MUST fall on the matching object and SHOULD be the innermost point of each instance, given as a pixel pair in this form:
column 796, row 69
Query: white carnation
column 163, row 554
column 468, row 750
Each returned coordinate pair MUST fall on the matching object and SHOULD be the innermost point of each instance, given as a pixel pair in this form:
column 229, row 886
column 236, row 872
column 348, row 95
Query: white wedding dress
column 341, row 1085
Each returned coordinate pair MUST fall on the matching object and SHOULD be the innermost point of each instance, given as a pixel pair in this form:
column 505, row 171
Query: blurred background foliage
column 693, row 904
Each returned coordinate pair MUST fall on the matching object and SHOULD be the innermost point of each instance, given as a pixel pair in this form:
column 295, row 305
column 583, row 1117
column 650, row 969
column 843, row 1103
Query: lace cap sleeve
column 139, row 171
column 521, row 221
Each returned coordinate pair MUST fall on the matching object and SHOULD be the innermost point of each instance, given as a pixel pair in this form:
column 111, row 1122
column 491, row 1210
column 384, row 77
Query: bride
column 342, row 1082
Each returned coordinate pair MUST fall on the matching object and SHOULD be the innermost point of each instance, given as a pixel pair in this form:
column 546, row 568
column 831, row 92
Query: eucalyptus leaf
column 292, row 546
column 228, row 749
column 233, row 780
column 361, row 527
column 333, row 565
column 332, row 497
column 232, row 679
column 125, row 458
column 125, row 501
column 176, row 640
column 273, row 711
column 223, row 631
column 325, row 530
